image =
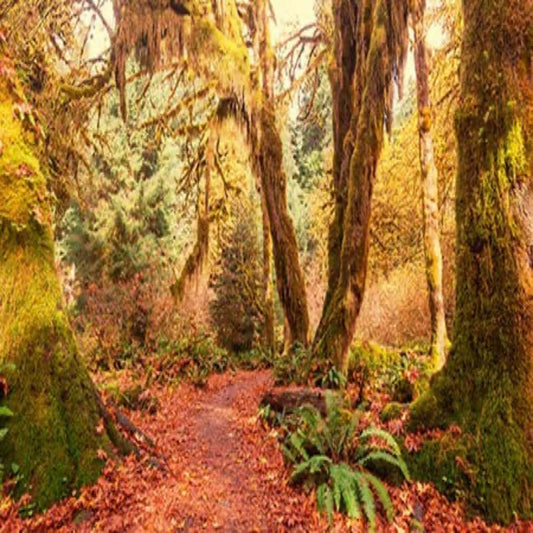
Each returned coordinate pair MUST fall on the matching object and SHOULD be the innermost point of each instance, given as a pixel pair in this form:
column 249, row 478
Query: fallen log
column 289, row 401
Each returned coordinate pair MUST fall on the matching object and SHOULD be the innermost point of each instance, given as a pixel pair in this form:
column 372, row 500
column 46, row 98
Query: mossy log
column 53, row 435
column 289, row 401
column 486, row 386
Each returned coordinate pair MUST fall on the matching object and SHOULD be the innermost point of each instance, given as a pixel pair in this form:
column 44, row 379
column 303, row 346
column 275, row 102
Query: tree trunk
column 289, row 275
column 486, row 386
column 269, row 332
column 376, row 64
column 268, row 154
column 53, row 434
column 430, row 191
column 341, row 76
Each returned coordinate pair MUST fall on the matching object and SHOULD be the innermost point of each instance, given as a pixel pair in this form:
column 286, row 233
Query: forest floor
column 220, row 469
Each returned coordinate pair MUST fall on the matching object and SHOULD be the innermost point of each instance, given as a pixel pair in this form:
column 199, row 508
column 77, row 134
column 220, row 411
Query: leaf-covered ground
column 217, row 468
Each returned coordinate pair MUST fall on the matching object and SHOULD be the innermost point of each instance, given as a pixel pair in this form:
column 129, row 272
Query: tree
column 486, row 385
column 53, row 435
column 430, row 191
column 268, row 163
column 379, row 40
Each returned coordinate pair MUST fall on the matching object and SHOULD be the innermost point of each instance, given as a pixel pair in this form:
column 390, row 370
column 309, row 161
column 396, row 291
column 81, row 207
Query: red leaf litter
column 223, row 471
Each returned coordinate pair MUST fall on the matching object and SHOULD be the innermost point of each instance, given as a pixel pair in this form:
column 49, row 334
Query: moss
column 439, row 463
column 485, row 386
column 52, row 435
column 391, row 411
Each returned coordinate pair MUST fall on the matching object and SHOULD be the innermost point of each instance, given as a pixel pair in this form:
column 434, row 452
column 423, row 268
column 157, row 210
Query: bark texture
column 268, row 295
column 343, row 95
column 53, row 434
column 289, row 275
column 486, row 386
column 381, row 35
column 268, row 155
column 430, row 192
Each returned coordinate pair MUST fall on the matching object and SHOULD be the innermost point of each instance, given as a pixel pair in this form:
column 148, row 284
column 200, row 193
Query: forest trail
column 228, row 485
column 223, row 471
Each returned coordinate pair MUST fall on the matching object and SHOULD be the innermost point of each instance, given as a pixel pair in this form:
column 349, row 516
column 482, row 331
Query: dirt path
column 225, row 471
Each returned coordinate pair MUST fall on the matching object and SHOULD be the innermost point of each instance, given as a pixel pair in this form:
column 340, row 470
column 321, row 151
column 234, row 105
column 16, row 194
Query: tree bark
column 341, row 76
column 268, row 155
column 269, row 332
column 430, row 191
column 486, row 386
column 53, row 435
column 289, row 275
column 384, row 27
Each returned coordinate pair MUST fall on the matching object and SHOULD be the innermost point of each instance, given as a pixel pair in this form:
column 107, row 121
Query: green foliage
column 300, row 367
column 193, row 359
column 237, row 310
column 400, row 373
column 4, row 413
column 332, row 455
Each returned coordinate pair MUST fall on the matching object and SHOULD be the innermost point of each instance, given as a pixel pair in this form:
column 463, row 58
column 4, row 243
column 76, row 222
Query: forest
column 266, row 265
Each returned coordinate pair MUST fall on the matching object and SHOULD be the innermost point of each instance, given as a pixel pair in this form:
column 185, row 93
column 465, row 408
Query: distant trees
column 238, row 310
column 486, row 384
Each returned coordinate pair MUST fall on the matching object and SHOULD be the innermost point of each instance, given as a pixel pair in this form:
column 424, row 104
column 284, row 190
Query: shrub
column 300, row 367
column 237, row 308
column 333, row 456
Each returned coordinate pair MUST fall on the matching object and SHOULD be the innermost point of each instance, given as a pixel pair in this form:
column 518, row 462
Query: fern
column 367, row 499
column 324, row 500
column 386, row 457
column 383, row 495
column 383, row 435
column 330, row 454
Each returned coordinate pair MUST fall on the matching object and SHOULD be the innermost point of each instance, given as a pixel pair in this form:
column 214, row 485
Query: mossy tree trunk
column 53, row 434
column 342, row 88
column 289, row 275
column 269, row 338
column 268, row 154
column 486, row 386
column 430, row 192
column 381, row 30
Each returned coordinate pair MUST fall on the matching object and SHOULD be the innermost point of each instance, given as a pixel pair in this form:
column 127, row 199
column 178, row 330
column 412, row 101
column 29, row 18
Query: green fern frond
column 383, row 435
column 383, row 495
column 324, row 500
column 367, row 498
column 343, row 475
column 313, row 466
column 288, row 454
column 386, row 457
column 297, row 441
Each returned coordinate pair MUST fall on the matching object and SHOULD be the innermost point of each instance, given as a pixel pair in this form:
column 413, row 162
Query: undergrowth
column 338, row 459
